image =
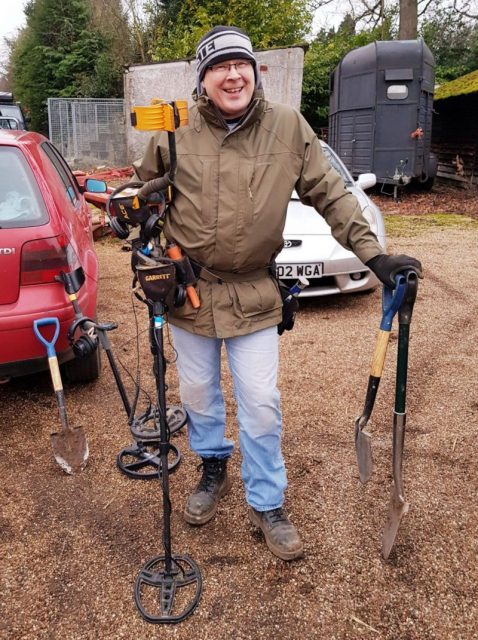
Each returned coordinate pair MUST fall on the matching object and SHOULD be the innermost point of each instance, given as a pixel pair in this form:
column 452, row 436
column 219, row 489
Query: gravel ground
column 72, row 546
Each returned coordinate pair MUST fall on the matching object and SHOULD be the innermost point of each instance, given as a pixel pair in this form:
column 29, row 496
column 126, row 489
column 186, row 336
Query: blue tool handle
column 392, row 300
column 42, row 322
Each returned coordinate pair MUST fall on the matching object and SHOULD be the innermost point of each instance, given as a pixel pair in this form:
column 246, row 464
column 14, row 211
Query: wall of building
column 455, row 138
column 281, row 71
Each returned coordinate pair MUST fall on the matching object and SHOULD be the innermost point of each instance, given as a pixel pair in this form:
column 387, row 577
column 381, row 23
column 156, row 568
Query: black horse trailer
column 381, row 107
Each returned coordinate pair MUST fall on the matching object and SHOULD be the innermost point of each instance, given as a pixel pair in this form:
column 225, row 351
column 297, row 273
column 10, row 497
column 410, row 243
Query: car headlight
column 369, row 216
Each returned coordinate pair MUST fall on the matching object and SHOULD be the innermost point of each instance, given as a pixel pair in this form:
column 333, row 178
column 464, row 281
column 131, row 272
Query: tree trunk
column 408, row 20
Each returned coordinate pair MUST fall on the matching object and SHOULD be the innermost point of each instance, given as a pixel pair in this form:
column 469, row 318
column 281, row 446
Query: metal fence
column 89, row 132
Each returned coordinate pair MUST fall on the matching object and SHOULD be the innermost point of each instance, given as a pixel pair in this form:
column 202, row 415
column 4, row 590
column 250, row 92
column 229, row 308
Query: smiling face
column 230, row 86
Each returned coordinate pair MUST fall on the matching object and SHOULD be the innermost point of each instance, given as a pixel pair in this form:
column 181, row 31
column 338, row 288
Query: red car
column 45, row 228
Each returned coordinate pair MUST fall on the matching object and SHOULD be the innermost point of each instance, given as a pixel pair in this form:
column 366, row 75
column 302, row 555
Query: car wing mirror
column 366, row 181
column 95, row 186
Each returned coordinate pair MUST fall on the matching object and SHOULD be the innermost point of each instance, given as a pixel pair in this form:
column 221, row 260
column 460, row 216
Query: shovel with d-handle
column 398, row 504
column 69, row 445
column 391, row 301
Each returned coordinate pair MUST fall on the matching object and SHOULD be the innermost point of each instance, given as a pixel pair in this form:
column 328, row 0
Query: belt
column 214, row 275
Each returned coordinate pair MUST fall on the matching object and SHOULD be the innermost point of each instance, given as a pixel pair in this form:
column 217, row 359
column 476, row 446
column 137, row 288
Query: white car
column 312, row 252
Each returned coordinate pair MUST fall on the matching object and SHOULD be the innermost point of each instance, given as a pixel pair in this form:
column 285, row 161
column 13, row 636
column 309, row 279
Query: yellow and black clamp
column 161, row 115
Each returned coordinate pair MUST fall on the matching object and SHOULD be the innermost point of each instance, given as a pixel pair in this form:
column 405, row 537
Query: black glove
column 386, row 267
column 290, row 306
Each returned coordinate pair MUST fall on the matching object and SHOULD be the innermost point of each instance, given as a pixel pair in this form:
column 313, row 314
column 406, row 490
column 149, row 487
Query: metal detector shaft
column 157, row 321
column 72, row 282
column 105, row 343
column 167, row 573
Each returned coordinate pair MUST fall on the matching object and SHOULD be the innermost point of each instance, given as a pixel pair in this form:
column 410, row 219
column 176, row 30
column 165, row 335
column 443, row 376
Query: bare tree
column 468, row 9
column 371, row 13
column 408, row 23
column 111, row 17
column 136, row 15
column 6, row 47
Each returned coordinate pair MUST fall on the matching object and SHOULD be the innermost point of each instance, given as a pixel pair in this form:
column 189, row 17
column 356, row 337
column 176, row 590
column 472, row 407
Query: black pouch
column 184, row 271
column 157, row 280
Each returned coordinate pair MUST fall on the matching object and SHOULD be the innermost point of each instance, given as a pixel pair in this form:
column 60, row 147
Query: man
column 239, row 160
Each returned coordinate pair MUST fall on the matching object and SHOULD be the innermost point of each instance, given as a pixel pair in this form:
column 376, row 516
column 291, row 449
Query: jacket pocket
column 260, row 296
column 209, row 191
column 244, row 195
column 185, row 311
column 257, row 189
column 258, row 174
column 251, row 176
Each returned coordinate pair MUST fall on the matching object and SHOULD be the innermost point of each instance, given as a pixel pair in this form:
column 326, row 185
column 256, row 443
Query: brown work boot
column 281, row 536
column 213, row 485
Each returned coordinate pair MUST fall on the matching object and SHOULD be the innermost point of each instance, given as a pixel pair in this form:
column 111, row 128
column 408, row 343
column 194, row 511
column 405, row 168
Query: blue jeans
column 253, row 361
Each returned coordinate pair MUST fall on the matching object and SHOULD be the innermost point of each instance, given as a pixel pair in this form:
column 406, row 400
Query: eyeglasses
column 224, row 68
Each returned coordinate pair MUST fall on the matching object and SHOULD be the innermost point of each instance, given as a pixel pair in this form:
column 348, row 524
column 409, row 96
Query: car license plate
column 295, row 270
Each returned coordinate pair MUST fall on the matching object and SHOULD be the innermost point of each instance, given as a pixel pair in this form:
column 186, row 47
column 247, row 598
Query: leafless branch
column 318, row 4
column 372, row 13
column 464, row 10
column 423, row 6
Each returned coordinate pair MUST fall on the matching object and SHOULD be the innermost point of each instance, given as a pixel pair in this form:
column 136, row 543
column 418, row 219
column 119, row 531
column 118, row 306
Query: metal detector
column 162, row 276
column 141, row 459
column 165, row 277
column 169, row 574
column 151, row 454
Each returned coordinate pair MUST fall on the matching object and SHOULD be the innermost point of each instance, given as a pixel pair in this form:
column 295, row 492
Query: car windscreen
column 12, row 111
column 21, row 204
column 338, row 166
column 9, row 123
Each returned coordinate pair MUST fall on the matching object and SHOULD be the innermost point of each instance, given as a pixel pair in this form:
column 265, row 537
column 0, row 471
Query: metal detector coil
column 165, row 577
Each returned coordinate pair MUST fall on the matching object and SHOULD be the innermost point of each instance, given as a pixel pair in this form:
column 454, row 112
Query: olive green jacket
column 231, row 192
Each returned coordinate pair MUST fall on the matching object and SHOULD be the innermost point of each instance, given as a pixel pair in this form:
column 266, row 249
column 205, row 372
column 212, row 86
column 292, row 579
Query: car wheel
column 83, row 369
column 427, row 185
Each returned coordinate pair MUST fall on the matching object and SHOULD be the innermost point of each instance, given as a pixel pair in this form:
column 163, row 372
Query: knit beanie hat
column 223, row 43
